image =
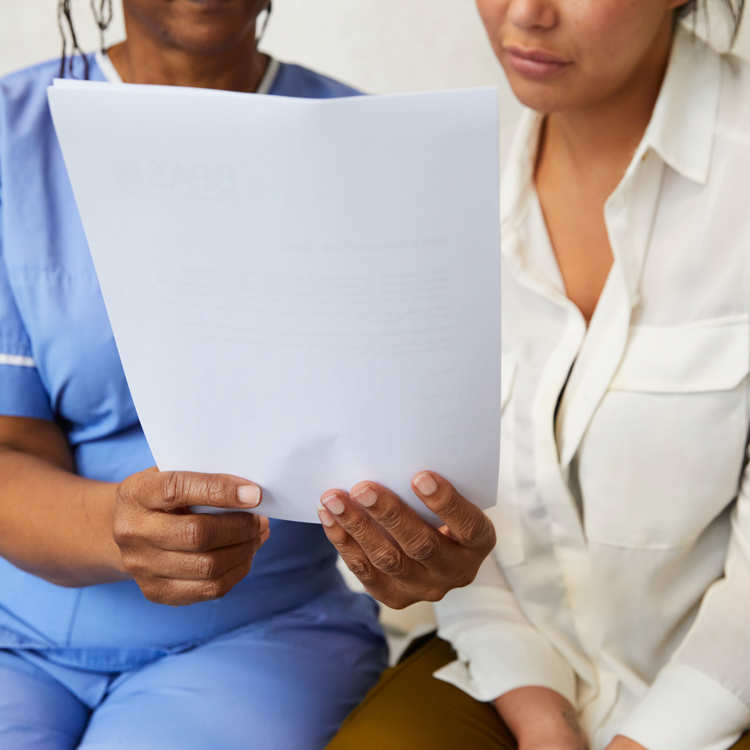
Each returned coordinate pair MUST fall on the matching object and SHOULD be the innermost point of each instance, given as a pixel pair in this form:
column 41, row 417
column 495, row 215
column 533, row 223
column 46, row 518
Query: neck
column 141, row 58
column 602, row 138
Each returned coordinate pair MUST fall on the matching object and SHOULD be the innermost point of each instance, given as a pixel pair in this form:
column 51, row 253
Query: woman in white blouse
column 615, row 610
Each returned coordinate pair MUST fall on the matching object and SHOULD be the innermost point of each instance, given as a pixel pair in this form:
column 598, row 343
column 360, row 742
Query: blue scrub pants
column 285, row 683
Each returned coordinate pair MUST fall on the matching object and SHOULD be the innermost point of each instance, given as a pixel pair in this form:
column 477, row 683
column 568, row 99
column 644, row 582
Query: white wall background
column 381, row 45
column 376, row 45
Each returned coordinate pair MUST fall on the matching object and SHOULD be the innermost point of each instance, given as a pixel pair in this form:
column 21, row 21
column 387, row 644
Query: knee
column 369, row 730
column 37, row 714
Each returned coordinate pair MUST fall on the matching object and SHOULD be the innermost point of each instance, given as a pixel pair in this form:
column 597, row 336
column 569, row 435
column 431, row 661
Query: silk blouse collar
column 681, row 130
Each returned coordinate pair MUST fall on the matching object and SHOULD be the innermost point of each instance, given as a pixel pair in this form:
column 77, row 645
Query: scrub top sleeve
column 22, row 393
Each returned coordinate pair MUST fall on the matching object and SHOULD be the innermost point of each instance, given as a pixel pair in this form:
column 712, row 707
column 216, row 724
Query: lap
column 284, row 683
column 36, row 711
column 409, row 709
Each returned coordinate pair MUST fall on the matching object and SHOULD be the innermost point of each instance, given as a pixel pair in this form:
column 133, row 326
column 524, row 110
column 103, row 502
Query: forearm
column 55, row 524
column 541, row 718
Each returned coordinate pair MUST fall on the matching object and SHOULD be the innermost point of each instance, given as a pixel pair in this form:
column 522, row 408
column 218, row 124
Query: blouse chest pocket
column 663, row 454
column 506, row 515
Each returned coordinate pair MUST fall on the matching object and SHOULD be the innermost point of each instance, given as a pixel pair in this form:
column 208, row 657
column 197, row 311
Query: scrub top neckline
column 112, row 76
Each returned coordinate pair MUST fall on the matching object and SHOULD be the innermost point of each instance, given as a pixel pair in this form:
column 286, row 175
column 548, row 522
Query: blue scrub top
column 58, row 361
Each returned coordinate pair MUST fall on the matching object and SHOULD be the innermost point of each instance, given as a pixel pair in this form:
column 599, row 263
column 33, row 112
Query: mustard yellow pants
column 410, row 710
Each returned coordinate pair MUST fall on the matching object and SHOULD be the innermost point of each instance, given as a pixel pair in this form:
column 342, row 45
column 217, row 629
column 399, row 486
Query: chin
column 544, row 102
column 545, row 98
column 207, row 27
column 206, row 38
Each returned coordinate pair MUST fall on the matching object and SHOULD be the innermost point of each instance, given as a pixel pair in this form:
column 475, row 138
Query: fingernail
column 325, row 517
column 425, row 484
column 263, row 525
column 366, row 497
column 249, row 494
column 334, row 504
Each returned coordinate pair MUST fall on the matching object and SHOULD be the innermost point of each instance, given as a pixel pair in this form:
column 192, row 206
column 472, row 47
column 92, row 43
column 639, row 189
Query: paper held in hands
column 304, row 293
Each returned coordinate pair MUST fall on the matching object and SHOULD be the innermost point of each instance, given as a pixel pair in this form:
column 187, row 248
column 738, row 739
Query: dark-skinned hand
column 178, row 557
column 399, row 558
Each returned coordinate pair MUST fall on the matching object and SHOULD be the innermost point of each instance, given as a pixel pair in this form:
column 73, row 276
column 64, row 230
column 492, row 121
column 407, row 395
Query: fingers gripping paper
column 304, row 293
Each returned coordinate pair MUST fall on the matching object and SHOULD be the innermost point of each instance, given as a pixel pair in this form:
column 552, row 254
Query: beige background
column 379, row 45
column 375, row 45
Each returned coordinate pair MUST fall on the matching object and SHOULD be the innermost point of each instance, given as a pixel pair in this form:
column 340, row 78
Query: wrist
column 541, row 717
column 624, row 743
column 99, row 500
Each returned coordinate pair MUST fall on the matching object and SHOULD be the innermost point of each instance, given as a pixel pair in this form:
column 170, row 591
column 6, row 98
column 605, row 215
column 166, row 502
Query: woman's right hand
column 178, row 557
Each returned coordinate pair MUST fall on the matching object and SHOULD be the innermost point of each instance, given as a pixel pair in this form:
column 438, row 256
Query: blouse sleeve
column 22, row 393
column 700, row 700
column 498, row 649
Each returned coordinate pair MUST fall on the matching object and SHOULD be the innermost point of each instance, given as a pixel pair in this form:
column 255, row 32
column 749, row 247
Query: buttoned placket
column 583, row 364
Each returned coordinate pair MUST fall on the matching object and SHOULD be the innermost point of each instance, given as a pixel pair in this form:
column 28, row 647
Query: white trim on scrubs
column 110, row 72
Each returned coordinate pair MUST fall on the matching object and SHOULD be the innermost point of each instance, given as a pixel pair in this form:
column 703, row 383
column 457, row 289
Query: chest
column 574, row 218
column 654, row 413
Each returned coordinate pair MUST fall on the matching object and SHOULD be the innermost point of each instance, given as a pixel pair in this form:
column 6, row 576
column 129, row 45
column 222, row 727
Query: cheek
column 617, row 33
column 611, row 42
column 493, row 14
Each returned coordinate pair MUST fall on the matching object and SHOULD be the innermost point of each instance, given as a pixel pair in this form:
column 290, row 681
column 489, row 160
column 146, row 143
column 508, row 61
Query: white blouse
column 621, row 577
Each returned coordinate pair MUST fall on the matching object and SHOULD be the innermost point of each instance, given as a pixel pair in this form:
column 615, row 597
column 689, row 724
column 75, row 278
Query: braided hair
column 103, row 14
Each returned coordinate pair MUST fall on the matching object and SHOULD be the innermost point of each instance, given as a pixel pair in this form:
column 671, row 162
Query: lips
column 535, row 64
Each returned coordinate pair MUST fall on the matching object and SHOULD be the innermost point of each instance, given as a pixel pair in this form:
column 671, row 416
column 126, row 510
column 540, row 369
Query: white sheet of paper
column 304, row 293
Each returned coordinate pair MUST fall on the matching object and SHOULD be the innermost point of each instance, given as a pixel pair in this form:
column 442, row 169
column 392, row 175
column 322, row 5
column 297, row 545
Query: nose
column 533, row 15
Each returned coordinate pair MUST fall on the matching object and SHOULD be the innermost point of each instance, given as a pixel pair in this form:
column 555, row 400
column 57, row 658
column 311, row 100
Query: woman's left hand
column 399, row 558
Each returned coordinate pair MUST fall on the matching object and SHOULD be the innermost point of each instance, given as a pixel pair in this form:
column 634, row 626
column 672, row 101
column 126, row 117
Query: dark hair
column 103, row 13
column 733, row 7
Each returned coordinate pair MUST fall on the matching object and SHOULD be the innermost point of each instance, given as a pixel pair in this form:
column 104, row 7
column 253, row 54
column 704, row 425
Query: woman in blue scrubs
column 125, row 620
column 94, row 543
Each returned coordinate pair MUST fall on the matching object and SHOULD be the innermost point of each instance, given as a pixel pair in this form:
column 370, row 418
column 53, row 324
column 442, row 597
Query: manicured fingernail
column 425, row 484
column 334, row 504
column 366, row 497
column 325, row 517
column 249, row 495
